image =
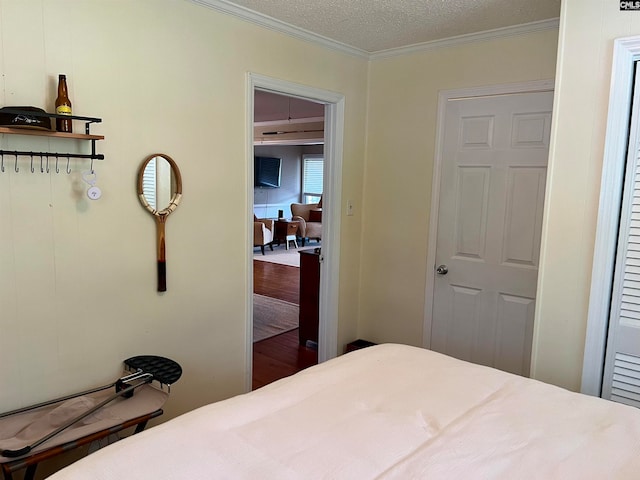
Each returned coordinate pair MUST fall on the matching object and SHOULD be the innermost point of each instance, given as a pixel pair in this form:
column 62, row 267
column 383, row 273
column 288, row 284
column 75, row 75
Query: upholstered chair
column 309, row 216
column 263, row 230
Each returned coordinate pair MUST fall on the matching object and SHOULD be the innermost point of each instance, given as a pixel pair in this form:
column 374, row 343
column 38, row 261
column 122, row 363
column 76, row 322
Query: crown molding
column 550, row 24
column 274, row 24
column 281, row 27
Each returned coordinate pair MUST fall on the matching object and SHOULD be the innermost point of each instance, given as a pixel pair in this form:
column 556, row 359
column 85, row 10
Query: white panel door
column 489, row 222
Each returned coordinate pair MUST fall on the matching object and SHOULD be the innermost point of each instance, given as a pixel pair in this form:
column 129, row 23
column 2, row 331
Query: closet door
column 621, row 380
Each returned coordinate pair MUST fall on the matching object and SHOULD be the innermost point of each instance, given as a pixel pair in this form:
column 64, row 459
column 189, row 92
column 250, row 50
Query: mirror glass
column 160, row 191
column 159, row 184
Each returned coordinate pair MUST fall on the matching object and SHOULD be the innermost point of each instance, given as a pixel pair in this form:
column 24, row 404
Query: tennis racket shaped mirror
column 160, row 192
column 145, row 369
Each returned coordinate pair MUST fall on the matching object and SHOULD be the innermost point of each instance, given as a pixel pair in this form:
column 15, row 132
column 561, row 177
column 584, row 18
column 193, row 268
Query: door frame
column 332, row 199
column 444, row 97
column 626, row 52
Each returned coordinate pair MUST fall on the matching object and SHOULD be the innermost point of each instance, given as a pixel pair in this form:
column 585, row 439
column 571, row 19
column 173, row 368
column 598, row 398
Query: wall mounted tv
column 267, row 172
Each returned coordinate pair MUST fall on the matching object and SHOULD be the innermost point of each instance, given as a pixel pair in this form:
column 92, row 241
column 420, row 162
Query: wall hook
column 2, row 162
column 32, row 169
column 68, row 169
column 41, row 164
column 15, row 165
column 57, row 169
column 47, row 164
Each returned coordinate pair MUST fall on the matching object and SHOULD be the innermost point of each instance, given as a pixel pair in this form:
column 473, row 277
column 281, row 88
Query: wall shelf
column 52, row 134
column 45, row 133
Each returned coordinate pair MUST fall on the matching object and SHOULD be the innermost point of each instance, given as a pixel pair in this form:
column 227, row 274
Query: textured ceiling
column 376, row 25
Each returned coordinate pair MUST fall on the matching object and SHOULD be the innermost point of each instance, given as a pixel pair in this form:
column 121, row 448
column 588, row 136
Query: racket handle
column 162, row 276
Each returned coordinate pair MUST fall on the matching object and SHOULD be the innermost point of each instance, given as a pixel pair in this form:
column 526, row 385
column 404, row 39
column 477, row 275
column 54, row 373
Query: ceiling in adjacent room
column 271, row 106
column 284, row 120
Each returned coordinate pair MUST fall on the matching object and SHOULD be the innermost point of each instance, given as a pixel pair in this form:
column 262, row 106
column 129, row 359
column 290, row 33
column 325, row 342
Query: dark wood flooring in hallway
column 280, row 356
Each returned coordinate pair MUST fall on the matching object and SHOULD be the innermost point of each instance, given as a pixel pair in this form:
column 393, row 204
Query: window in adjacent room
column 312, row 178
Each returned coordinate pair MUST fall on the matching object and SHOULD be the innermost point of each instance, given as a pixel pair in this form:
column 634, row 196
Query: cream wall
column 403, row 99
column 77, row 278
column 587, row 31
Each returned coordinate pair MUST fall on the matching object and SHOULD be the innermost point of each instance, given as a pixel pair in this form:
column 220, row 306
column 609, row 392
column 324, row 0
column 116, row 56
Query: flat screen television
column 267, row 172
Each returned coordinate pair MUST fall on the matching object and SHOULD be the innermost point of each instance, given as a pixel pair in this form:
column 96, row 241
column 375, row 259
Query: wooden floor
column 279, row 356
column 276, row 281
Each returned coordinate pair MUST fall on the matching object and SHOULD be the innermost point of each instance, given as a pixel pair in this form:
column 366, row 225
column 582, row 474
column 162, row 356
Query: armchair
column 263, row 231
column 309, row 216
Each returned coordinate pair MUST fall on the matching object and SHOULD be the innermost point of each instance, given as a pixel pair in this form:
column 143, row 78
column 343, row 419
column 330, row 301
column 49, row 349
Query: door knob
column 442, row 270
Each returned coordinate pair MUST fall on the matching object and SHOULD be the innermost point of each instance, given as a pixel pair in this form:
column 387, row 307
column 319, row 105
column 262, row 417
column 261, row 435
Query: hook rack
column 47, row 155
column 15, row 153
column 46, row 133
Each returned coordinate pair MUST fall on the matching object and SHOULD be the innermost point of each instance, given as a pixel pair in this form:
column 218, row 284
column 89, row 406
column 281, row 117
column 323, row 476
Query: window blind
column 312, row 178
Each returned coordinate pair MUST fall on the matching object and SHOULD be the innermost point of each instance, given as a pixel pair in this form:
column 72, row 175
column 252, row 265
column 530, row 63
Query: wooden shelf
column 46, row 133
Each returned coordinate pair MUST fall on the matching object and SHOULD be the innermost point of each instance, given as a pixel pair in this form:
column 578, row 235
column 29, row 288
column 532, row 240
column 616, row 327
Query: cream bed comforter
column 389, row 412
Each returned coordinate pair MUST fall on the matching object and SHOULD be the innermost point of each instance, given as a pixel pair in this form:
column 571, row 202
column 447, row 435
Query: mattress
column 385, row 412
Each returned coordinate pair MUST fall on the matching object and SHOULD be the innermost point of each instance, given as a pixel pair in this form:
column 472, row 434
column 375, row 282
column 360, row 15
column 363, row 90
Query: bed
column 385, row 412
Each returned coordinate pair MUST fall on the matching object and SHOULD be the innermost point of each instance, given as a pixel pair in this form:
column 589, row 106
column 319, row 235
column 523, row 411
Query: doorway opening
column 328, row 254
column 288, row 186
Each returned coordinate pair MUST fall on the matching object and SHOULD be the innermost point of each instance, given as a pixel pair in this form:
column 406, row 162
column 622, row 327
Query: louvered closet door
column 621, row 381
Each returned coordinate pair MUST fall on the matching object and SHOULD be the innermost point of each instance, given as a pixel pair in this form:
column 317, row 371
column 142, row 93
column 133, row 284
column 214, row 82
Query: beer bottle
column 63, row 106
